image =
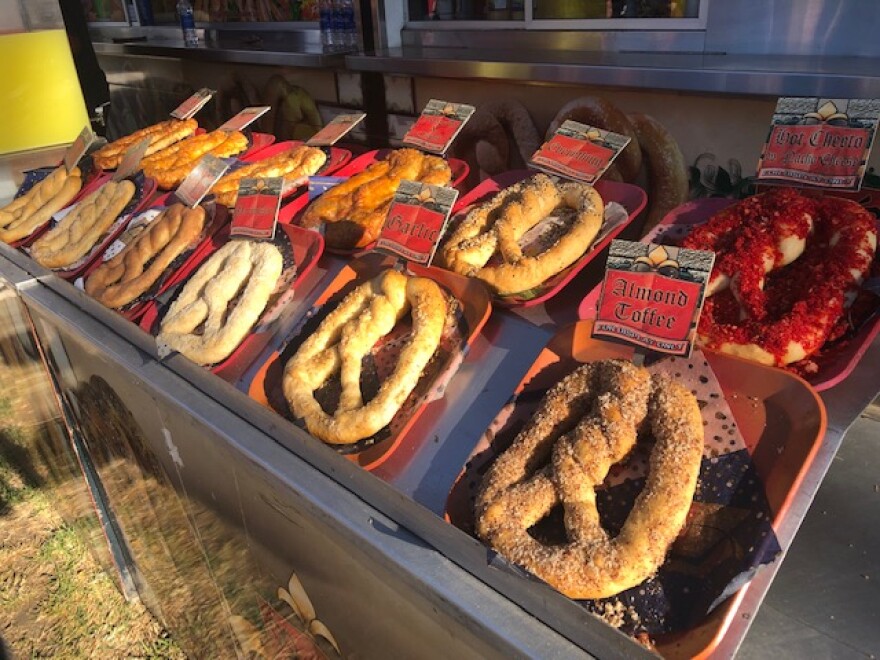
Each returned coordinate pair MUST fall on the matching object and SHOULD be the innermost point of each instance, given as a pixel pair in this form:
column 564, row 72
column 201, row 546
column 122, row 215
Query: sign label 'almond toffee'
column 652, row 295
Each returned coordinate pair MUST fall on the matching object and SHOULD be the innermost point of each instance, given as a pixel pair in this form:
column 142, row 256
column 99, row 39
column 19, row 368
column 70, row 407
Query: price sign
column 578, row 151
column 416, row 221
column 438, row 126
column 77, row 150
column 132, row 159
column 256, row 209
column 245, row 118
column 652, row 296
column 336, row 129
column 198, row 182
column 193, row 104
column 822, row 143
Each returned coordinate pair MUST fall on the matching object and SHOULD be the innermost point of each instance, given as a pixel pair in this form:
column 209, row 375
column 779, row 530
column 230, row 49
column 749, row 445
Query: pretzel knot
column 346, row 336
column 586, row 423
column 222, row 301
column 498, row 227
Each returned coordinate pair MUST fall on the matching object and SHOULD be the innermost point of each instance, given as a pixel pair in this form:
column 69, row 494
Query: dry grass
column 55, row 600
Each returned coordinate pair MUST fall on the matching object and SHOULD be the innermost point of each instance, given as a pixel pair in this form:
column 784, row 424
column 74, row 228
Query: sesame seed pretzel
column 586, row 423
column 346, row 336
column 222, row 301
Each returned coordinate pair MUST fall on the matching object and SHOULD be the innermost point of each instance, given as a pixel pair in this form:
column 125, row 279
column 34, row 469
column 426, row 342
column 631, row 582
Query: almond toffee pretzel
column 222, row 301
column 129, row 274
column 25, row 214
column 348, row 334
column 498, row 225
column 586, row 423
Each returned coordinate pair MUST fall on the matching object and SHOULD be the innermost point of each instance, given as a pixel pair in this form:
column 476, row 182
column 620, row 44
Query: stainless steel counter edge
column 635, row 70
column 304, row 59
column 493, row 617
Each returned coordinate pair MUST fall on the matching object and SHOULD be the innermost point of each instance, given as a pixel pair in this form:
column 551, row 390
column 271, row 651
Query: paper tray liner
column 631, row 197
column 300, row 249
column 836, row 360
column 762, row 429
column 292, row 212
column 470, row 310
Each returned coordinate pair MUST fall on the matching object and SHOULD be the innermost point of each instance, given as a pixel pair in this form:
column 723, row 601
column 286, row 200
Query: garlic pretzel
column 346, row 336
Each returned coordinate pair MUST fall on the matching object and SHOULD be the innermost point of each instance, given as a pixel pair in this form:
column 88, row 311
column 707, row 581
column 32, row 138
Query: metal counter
column 440, row 563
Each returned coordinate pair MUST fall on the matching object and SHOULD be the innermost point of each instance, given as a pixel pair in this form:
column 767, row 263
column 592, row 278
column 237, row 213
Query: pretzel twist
column 25, row 214
column 136, row 268
column 292, row 164
column 81, row 229
column 170, row 166
column 161, row 135
column 586, row 423
column 498, row 226
column 222, row 301
column 354, row 211
column 346, row 336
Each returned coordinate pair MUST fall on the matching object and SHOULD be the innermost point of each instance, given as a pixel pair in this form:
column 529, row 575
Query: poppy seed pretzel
column 136, row 268
column 222, row 301
column 81, row 229
column 498, row 226
column 586, row 423
column 346, row 336
column 24, row 215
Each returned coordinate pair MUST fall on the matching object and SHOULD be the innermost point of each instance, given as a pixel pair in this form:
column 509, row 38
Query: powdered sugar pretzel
column 222, row 301
column 803, row 304
column 343, row 339
column 586, row 423
column 499, row 225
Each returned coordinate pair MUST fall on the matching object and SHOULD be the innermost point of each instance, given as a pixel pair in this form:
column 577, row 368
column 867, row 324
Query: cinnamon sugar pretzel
column 24, row 215
column 81, row 229
column 133, row 271
column 222, row 301
column 161, row 135
column 347, row 335
column 586, row 423
column 498, row 226
column 170, row 166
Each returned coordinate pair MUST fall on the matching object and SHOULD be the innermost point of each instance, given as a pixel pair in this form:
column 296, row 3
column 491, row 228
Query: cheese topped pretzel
column 170, row 166
column 348, row 334
column 498, row 226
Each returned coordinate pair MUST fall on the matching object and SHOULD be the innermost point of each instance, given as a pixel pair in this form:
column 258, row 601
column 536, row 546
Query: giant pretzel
column 498, row 226
column 586, row 423
column 762, row 312
column 223, row 300
column 346, row 336
column 161, row 135
column 24, row 215
column 666, row 171
column 133, row 271
column 170, row 166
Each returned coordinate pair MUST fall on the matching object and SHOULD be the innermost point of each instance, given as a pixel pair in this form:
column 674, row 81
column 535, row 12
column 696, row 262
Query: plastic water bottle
column 325, row 15
column 338, row 25
column 348, row 25
column 187, row 23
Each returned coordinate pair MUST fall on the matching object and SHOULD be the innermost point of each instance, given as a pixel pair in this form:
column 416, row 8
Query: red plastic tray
column 835, row 363
column 290, row 213
column 215, row 223
column 477, row 307
column 631, row 197
column 307, row 249
column 781, row 418
column 89, row 186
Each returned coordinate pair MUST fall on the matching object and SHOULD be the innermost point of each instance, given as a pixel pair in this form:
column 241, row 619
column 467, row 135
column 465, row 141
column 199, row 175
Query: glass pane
column 466, row 10
column 579, row 9
column 103, row 11
column 235, row 11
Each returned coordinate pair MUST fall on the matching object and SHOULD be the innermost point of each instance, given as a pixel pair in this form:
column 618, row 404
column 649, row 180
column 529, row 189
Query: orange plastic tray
column 781, row 418
column 265, row 387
